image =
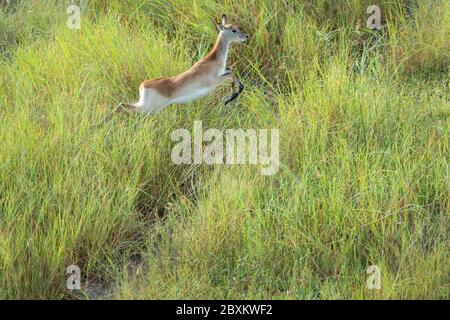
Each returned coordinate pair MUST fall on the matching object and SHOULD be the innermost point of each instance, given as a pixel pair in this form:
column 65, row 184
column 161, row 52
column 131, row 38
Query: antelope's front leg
column 230, row 75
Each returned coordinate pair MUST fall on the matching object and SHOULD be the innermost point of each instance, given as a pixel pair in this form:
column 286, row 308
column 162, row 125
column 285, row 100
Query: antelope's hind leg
column 127, row 108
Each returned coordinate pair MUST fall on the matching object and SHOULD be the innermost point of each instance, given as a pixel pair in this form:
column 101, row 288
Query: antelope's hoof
column 232, row 97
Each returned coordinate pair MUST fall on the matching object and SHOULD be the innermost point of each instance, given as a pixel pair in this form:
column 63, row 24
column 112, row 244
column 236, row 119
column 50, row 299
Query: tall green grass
column 364, row 177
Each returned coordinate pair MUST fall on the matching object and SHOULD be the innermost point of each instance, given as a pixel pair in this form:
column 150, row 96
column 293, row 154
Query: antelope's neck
column 220, row 50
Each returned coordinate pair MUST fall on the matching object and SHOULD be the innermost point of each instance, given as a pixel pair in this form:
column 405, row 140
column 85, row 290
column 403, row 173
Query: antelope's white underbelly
column 192, row 95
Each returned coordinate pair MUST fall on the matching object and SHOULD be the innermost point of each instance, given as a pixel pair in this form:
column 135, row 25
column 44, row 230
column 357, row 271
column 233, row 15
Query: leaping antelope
column 202, row 78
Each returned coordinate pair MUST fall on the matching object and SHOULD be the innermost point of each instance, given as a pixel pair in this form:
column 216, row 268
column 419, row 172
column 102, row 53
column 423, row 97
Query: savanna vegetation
column 363, row 117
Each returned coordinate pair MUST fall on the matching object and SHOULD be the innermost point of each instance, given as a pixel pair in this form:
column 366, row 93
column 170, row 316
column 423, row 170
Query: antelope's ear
column 224, row 19
column 220, row 27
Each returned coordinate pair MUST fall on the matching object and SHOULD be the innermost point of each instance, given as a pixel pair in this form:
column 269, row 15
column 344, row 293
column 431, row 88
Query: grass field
column 364, row 152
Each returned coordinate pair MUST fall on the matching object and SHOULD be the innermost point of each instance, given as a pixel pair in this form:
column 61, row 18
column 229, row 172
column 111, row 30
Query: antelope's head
column 231, row 32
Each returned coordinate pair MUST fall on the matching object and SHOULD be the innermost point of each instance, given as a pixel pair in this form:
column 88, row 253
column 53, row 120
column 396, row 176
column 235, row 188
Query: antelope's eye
column 234, row 31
